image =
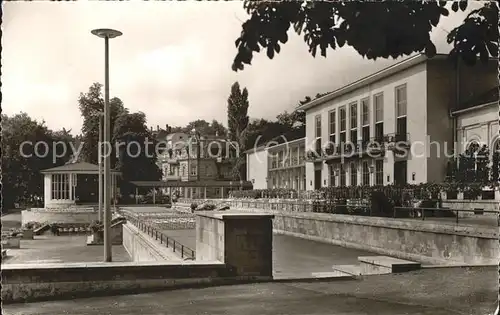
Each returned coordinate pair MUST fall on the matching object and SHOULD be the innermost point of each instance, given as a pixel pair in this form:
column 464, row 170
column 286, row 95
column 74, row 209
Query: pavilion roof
column 79, row 167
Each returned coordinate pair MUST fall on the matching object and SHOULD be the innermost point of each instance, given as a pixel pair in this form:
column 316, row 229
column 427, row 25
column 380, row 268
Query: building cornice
column 473, row 108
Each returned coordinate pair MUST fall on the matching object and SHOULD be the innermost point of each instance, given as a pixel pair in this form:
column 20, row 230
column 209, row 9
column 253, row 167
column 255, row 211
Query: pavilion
column 74, row 182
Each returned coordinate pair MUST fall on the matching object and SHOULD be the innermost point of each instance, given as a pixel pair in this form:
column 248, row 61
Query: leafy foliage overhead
column 375, row 29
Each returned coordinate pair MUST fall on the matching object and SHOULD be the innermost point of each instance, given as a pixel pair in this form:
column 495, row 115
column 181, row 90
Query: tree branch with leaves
column 375, row 29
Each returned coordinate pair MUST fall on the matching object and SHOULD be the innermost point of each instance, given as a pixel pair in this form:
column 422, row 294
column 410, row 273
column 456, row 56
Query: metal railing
column 177, row 247
column 421, row 213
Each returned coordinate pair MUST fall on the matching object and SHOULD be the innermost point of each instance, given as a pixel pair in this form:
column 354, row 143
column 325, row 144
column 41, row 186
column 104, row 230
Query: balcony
column 398, row 142
column 289, row 162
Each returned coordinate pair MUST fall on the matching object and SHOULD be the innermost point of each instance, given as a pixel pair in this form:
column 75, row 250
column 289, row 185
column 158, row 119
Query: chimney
column 166, row 127
column 151, row 128
column 157, row 127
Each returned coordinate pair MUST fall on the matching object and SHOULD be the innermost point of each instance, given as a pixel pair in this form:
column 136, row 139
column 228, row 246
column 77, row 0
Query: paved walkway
column 59, row 249
column 443, row 291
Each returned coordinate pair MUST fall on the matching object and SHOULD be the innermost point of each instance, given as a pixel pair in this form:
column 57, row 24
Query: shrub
column 208, row 207
column 194, row 205
column 29, row 225
column 95, row 226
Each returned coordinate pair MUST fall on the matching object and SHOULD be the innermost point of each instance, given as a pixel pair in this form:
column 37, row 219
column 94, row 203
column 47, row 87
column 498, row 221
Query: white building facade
column 278, row 166
column 478, row 123
column 405, row 109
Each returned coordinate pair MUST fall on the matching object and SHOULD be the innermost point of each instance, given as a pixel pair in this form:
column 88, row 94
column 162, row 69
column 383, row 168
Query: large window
column 379, row 172
column 193, row 169
column 318, row 134
column 365, row 120
column 401, row 113
column 332, row 174
column 354, row 174
column 378, row 110
column 60, row 186
column 365, row 178
column 343, row 125
column 332, row 125
column 353, row 112
column 342, row 175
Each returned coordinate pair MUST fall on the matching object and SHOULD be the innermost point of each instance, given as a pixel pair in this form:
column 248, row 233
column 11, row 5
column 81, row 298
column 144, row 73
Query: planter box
column 27, row 234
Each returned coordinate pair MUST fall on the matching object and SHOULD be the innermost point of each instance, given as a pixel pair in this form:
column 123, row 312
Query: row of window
column 378, row 119
column 60, row 186
column 342, row 170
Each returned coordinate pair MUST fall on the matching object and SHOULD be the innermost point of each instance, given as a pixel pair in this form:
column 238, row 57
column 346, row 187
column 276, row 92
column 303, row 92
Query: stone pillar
column 70, row 179
column 243, row 241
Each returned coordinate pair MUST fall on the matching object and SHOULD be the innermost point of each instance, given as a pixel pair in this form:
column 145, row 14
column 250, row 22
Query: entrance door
column 317, row 179
column 400, row 172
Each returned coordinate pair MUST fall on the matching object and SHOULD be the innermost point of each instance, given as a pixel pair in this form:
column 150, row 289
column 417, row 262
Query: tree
column 21, row 164
column 137, row 150
column 203, row 127
column 91, row 104
column 377, row 29
column 237, row 121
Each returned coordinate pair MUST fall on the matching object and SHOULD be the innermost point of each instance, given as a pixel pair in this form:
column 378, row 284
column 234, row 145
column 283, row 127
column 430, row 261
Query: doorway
column 317, row 179
column 400, row 173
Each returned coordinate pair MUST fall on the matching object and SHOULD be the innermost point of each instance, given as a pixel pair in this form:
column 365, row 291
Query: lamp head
column 106, row 33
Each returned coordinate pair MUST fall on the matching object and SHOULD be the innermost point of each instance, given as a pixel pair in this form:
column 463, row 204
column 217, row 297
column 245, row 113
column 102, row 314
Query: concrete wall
column 243, row 241
column 143, row 248
column 425, row 241
column 24, row 283
column 53, row 216
column 414, row 240
column 257, row 166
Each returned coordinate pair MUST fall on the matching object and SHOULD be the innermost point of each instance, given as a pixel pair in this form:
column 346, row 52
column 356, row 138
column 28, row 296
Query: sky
column 173, row 61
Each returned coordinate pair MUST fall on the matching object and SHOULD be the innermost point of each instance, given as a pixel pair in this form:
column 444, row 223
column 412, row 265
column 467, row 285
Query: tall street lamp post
column 99, row 158
column 107, row 34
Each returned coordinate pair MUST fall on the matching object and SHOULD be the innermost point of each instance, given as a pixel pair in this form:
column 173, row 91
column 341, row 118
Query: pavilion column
column 136, row 195
column 205, row 194
column 154, row 195
column 222, row 192
column 70, row 179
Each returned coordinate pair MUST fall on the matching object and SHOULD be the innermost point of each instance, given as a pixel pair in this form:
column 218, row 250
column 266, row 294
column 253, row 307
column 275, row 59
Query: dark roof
column 82, row 167
column 489, row 96
column 178, row 183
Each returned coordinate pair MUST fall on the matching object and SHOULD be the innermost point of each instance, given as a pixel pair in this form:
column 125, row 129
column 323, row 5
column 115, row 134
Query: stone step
column 305, row 276
column 385, row 265
column 353, row 270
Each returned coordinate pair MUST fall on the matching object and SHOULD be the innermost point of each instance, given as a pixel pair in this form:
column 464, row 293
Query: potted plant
column 97, row 235
column 194, row 205
column 28, row 231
